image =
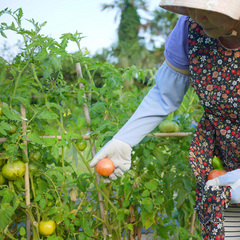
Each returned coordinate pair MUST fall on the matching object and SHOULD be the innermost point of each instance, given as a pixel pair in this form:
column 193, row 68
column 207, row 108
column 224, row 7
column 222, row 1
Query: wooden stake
column 192, row 223
column 86, row 137
column 26, row 177
column 174, row 134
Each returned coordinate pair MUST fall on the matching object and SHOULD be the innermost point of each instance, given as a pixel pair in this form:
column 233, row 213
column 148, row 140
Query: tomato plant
column 105, row 167
column 156, row 194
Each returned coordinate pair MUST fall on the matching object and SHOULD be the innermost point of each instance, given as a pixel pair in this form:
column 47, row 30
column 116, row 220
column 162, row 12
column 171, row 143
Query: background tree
column 132, row 47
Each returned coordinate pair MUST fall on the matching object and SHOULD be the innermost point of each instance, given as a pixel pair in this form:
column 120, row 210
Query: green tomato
column 12, row 129
column 35, row 155
column 81, row 145
column 47, row 228
column 14, row 171
column 168, row 126
column 32, row 168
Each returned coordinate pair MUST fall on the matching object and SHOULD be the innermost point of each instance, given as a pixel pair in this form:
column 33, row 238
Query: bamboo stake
column 87, row 137
column 174, row 134
column 88, row 119
column 192, row 224
column 26, row 177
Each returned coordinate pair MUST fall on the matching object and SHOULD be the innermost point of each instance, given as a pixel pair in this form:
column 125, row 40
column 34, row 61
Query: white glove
column 119, row 152
column 231, row 179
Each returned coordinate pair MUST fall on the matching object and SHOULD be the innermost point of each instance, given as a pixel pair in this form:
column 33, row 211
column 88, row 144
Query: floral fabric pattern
column 215, row 76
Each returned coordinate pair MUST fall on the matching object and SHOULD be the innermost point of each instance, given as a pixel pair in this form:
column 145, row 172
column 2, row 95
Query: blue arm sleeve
column 176, row 46
column 164, row 98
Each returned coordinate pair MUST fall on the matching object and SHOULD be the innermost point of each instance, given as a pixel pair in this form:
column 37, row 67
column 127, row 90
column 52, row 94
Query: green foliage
column 156, row 194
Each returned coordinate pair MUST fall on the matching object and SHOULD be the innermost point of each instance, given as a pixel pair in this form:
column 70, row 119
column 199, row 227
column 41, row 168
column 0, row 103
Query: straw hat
column 230, row 8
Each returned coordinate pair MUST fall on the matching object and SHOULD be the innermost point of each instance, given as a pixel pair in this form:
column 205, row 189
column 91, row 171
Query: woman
column 203, row 50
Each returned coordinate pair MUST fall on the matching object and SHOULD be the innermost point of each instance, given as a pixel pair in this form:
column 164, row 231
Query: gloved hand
column 119, row 152
column 231, row 179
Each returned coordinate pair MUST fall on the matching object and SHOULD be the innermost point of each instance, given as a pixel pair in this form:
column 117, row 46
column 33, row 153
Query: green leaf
column 11, row 114
column 23, row 205
column 147, row 202
column 6, row 212
column 3, row 34
column 159, row 199
column 151, row 185
column 81, row 236
column 3, row 127
column 87, row 228
column 120, row 215
column 126, row 203
column 43, row 185
column 7, row 195
column 130, row 226
column 41, row 55
column 22, row 231
column 163, row 232
column 45, row 114
column 182, row 195
column 24, row 101
column 67, row 222
column 145, row 193
column 52, row 211
column 54, row 105
column 37, row 198
column 33, row 137
column 127, row 190
column 148, row 218
column 42, row 203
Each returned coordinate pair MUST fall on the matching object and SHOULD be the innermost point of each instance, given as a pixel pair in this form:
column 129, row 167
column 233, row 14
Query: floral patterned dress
column 215, row 76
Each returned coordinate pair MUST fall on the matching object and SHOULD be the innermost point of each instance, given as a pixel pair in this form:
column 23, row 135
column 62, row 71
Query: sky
column 68, row 16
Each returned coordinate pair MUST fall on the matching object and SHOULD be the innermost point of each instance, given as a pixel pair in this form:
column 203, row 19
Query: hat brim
column 180, row 6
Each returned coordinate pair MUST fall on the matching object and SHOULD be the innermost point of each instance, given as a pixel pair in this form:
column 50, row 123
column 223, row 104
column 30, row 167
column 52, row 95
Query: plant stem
column 17, row 81
column 8, row 234
column 55, row 189
column 63, row 167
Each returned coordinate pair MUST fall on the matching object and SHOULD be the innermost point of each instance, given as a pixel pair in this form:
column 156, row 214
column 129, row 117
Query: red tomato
column 216, row 173
column 105, row 167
